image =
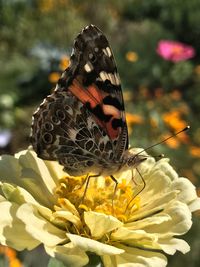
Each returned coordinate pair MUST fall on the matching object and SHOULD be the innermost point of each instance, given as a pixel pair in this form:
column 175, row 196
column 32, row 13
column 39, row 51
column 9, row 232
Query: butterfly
column 82, row 124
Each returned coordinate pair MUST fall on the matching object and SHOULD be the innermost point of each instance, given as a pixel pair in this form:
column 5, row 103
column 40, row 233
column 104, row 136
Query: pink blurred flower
column 174, row 51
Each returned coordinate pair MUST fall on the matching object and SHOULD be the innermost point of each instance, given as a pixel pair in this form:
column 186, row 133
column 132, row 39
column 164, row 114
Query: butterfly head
column 133, row 160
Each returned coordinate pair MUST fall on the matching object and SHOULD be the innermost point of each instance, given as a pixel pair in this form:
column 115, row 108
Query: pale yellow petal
column 179, row 223
column 55, row 170
column 153, row 206
column 30, row 173
column 136, row 238
column 12, row 230
column 187, row 190
column 100, row 224
column 40, row 228
column 16, row 194
column 134, row 257
column 171, row 245
column 194, row 205
column 97, row 247
column 30, row 162
column 69, row 254
column 148, row 221
column 66, row 215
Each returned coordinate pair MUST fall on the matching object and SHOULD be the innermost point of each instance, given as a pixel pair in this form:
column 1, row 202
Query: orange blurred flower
column 173, row 120
column 133, row 119
column 197, row 70
column 172, row 142
column 183, row 137
column 176, row 95
column 195, row 151
column 128, row 96
column 11, row 256
column 158, row 92
column 190, row 175
column 49, row 5
column 144, row 92
column 64, row 63
column 54, row 77
column 131, row 56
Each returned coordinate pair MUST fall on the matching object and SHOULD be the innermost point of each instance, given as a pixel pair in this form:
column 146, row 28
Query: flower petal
column 93, row 246
column 170, row 246
column 11, row 226
column 69, row 254
column 134, row 257
column 29, row 162
column 187, row 190
column 40, row 228
column 100, row 224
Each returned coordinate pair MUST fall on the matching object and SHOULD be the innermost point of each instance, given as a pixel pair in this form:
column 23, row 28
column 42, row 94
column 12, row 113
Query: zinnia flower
column 40, row 203
column 174, row 51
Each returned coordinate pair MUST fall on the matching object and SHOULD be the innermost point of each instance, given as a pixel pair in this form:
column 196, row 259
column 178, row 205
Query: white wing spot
column 113, row 78
column 105, row 52
column 109, row 51
column 72, row 52
column 103, row 75
column 88, row 67
column 117, row 78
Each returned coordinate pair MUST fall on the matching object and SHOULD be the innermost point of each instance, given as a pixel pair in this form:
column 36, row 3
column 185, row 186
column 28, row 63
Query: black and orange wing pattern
column 82, row 123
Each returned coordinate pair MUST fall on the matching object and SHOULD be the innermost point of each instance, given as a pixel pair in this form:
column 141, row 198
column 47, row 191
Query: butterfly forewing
column 82, row 123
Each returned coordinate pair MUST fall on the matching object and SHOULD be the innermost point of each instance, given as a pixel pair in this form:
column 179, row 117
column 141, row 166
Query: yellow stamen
column 98, row 198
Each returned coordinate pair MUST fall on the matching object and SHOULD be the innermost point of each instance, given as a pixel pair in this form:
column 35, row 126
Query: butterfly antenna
column 164, row 140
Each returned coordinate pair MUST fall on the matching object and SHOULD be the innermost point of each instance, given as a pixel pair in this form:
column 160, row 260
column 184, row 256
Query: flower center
column 99, row 196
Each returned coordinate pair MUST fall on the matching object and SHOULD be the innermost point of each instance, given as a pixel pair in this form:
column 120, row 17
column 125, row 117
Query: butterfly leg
column 143, row 186
column 87, row 183
column 115, row 190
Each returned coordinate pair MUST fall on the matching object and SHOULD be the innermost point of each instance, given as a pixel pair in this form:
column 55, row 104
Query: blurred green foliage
column 36, row 34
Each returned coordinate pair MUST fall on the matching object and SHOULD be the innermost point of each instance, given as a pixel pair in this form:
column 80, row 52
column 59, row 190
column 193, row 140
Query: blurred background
column 156, row 46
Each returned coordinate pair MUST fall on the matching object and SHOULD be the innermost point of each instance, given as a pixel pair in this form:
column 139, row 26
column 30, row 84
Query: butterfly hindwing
column 65, row 131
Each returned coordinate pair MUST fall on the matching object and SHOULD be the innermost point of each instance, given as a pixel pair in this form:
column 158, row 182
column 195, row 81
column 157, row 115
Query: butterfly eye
column 92, row 57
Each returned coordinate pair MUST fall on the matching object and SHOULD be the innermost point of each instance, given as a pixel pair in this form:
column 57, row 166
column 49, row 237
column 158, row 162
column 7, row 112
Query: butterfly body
column 82, row 123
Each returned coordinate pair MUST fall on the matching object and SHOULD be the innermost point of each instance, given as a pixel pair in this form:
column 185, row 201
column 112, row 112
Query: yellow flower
column 41, row 204
column 54, row 77
column 195, row 151
column 176, row 95
column 131, row 56
column 47, row 6
column 133, row 119
column 64, row 63
column 173, row 142
column 173, row 120
column 197, row 70
column 11, row 256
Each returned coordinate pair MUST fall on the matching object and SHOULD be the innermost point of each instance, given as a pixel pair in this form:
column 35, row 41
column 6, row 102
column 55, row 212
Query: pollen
column 99, row 195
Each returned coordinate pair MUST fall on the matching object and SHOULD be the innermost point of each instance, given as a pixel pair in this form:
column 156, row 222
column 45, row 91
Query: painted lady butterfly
column 82, row 123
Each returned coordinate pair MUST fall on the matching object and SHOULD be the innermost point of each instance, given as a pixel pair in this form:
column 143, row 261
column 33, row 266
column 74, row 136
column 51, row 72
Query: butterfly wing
column 94, row 80
column 82, row 124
